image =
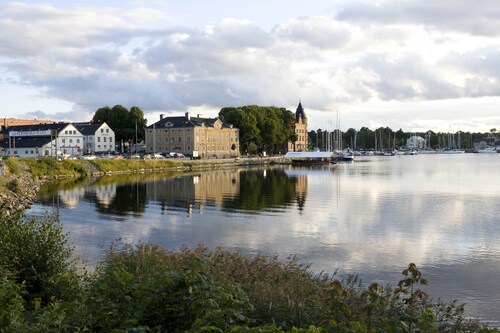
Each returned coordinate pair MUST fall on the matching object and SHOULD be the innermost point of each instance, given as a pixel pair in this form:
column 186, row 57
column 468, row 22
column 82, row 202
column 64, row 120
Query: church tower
column 300, row 130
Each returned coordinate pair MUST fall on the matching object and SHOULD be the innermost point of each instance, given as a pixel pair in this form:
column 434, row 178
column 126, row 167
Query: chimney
column 187, row 116
column 161, row 116
column 198, row 116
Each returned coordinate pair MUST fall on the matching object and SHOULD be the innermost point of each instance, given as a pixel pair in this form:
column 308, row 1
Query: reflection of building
column 71, row 198
column 300, row 131
column 207, row 188
column 210, row 137
column 105, row 194
column 301, row 191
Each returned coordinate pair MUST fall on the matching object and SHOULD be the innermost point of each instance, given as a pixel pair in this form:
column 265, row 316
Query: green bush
column 12, row 164
column 34, row 250
column 13, row 186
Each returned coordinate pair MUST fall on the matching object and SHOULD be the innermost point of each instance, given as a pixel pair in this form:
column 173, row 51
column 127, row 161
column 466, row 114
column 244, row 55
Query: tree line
column 270, row 128
column 384, row 138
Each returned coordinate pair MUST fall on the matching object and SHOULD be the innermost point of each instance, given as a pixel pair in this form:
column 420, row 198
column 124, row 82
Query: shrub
column 13, row 186
column 139, row 288
column 34, row 250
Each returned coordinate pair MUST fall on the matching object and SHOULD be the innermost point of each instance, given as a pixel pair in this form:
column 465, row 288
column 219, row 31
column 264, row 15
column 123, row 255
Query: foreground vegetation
column 146, row 288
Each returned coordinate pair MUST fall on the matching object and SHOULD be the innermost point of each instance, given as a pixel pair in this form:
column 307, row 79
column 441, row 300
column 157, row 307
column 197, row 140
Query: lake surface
column 371, row 218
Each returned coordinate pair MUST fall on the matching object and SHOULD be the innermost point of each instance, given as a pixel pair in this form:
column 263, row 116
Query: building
column 207, row 137
column 42, row 140
column 6, row 122
column 300, row 130
column 97, row 138
column 415, row 142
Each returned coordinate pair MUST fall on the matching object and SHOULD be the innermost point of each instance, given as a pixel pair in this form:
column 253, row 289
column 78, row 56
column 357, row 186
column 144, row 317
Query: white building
column 97, row 138
column 415, row 142
column 42, row 140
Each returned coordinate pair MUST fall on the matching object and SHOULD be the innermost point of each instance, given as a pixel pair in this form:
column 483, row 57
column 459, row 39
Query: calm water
column 371, row 218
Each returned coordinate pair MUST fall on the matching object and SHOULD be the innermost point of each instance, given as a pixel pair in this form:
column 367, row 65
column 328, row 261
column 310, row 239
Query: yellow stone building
column 301, row 130
column 193, row 136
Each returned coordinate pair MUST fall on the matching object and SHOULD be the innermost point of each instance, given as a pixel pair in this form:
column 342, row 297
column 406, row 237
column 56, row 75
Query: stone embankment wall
column 24, row 193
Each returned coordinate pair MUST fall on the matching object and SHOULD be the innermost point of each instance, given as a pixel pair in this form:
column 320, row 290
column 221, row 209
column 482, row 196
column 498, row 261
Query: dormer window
column 168, row 124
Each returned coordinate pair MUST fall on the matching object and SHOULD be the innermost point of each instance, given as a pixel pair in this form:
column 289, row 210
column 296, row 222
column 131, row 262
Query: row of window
column 104, row 139
column 90, row 139
column 209, row 148
column 70, row 140
column 102, row 130
column 188, row 139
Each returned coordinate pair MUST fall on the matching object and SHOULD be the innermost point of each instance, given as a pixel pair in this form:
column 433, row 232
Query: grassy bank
column 149, row 289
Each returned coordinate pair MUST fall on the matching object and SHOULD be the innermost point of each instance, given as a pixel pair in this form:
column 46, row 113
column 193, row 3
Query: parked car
column 88, row 157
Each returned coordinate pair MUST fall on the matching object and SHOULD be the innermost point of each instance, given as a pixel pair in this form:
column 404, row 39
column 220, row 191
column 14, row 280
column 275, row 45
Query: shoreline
column 19, row 189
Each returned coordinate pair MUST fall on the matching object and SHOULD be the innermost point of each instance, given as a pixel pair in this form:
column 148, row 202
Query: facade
column 301, row 130
column 415, row 142
column 207, row 137
column 42, row 140
column 97, row 138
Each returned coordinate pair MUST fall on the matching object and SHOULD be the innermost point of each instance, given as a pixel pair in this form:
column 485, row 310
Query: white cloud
column 361, row 56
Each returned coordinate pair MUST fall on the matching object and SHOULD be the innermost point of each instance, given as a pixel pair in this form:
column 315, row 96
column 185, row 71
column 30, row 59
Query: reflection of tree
column 129, row 198
column 262, row 189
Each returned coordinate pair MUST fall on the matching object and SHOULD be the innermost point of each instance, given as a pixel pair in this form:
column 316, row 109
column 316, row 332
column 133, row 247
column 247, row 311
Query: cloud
column 387, row 51
column 480, row 17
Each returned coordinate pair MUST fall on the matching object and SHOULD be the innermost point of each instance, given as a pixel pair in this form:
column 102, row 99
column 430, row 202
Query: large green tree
column 269, row 127
column 122, row 121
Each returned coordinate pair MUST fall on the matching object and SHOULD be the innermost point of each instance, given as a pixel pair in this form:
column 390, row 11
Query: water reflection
column 371, row 217
column 232, row 190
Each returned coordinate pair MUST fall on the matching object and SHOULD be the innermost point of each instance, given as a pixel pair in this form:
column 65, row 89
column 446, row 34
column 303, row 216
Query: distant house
column 97, row 138
column 209, row 137
column 42, row 140
column 415, row 142
column 300, row 131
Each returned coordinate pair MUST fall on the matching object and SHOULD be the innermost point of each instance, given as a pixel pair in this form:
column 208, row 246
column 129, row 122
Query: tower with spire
column 300, row 131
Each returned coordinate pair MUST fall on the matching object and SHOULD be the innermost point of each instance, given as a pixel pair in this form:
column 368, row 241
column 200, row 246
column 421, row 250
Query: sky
column 415, row 65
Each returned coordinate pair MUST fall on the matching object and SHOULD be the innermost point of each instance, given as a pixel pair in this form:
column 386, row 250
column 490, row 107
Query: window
column 110, row 140
column 65, row 132
column 104, row 139
column 102, row 130
column 180, row 139
column 77, row 140
column 98, row 139
column 107, row 130
column 70, row 140
column 90, row 138
column 63, row 140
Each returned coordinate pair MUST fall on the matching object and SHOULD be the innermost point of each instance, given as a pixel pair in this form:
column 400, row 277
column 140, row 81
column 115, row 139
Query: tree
column 122, row 121
column 269, row 127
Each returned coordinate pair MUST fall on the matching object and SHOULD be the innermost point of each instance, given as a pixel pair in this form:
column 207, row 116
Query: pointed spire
column 300, row 113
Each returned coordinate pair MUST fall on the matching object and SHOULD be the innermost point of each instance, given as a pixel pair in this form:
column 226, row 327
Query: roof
column 39, row 127
column 87, row 128
column 26, row 142
column 183, row 122
column 309, row 154
column 300, row 113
